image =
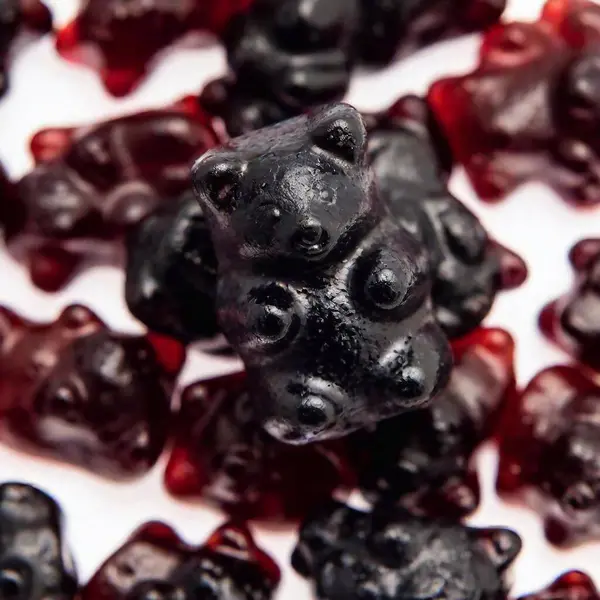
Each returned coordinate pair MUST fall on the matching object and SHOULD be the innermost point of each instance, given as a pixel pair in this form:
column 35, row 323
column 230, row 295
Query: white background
column 100, row 515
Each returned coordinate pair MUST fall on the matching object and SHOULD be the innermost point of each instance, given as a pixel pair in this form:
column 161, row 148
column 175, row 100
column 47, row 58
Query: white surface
column 47, row 91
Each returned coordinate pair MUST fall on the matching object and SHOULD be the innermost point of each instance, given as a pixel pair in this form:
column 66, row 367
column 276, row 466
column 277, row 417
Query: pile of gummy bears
column 265, row 223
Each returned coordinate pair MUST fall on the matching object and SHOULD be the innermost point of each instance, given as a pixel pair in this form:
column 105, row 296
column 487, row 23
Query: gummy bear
column 573, row 321
column 34, row 562
column 155, row 563
column 285, row 56
column 322, row 295
column 75, row 391
column 221, row 454
column 550, row 453
column 174, row 292
column 531, row 108
column 411, row 164
column 399, row 27
column 390, row 554
column 17, row 16
column 573, row 585
column 120, row 38
column 422, row 460
column 93, row 184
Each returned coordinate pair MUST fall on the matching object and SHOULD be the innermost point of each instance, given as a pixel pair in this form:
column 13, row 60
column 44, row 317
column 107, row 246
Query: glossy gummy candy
column 74, row 391
column 573, row 585
column 390, row 554
column 92, row 185
column 422, row 460
column 17, row 16
column 530, row 109
column 550, row 453
column 101, row 36
column 573, row 321
column 221, row 454
column 399, row 27
column 285, row 56
column 322, row 295
column 171, row 273
column 34, row 561
column 411, row 163
column 155, row 563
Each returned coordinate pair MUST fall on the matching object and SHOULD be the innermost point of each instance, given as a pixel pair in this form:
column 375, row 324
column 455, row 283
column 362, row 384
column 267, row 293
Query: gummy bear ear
column 340, row 130
column 215, row 178
column 500, row 544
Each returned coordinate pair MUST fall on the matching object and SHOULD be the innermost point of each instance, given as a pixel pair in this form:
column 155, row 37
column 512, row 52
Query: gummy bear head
column 297, row 192
column 57, row 204
column 34, row 564
column 574, row 479
column 391, row 554
column 77, row 391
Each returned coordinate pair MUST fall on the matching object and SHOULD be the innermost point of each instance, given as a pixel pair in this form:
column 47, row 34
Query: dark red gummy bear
column 155, row 563
column 75, row 391
column 573, row 585
column 120, row 38
column 17, row 16
column 400, row 27
column 573, row 321
column 93, row 184
column 531, row 109
column 34, row 561
column 422, row 460
column 550, row 452
column 222, row 454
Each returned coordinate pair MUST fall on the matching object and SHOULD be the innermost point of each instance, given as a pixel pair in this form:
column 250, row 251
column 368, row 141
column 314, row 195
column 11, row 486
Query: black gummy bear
column 174, row 293
column 411, row 162
column 392, row 555
column 34, row 564
column 285, row 56
column 324, row 297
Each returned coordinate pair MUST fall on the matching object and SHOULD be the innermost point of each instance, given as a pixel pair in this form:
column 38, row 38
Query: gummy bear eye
column 579, row 497
column 310, row 238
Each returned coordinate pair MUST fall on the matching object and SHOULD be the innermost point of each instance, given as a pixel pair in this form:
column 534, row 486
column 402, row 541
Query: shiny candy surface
column 573, row 321
column 530, row 109
column 222, row 455
column 92, row 185
column 308, row 279
column 155, row 563
column 550, row 453
column 74, row 391
column 390, row 554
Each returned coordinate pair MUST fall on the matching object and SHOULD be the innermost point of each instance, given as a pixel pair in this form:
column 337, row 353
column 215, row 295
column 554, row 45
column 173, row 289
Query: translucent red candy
column 573, row 321
column 573, row 585
column 550, row 453
column 74, row 391
column 222, row 454
column 155, row 563
column 91, row 185
column 422, row 460
column 17, row 16
column 531, row 109
column 119, row 38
